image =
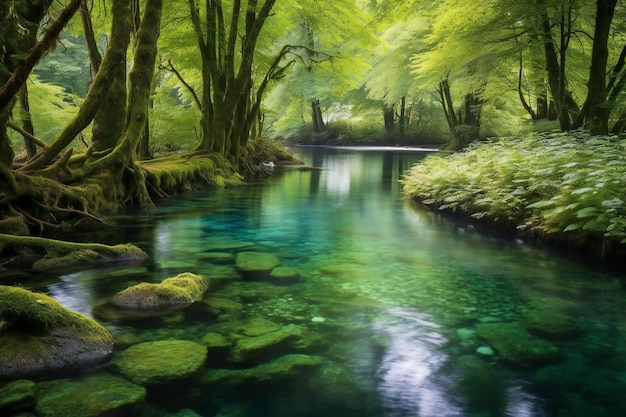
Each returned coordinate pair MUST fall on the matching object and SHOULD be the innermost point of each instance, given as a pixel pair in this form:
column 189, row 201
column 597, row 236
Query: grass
column 563, row 186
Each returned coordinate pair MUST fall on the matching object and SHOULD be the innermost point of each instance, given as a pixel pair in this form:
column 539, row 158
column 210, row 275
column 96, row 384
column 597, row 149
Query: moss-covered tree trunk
column 125, row 179
column 228, row 104
column 116, row 53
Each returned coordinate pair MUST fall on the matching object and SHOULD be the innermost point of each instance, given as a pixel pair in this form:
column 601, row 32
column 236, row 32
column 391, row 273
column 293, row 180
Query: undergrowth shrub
column 555, row 183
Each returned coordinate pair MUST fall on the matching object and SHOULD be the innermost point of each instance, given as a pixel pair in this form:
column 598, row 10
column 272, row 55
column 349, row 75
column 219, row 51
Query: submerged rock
column 279, row 369
column 151, row 300
column 256, row 262
column 551, row 325
column 257, row 326
column 264, row 346
column 95, row 396
column 16, row 396
column 284, row 275
column 160, row 362
column 41, row 338
column 516, row 346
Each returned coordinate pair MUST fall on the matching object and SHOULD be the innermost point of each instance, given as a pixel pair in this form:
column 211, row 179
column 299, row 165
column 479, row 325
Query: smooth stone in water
column 16, row 396
column 94, row 396
column 256, row 261
column 516, row 346
column 160, row 362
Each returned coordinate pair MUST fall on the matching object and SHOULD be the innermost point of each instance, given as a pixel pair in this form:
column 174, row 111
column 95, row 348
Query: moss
column 38, row 335
column 175, row 173
column 60, row 254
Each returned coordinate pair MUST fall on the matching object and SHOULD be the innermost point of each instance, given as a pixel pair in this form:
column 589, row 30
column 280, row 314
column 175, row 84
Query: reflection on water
column 389, row 296
column 413, row 358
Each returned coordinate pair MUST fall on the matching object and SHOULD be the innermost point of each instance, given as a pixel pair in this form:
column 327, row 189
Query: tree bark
column 27, row 123
column 595, row 112
column 116, row 52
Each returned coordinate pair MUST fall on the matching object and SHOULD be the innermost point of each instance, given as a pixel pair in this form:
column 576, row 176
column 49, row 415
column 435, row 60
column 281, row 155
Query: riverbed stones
column 94, row 396
column 251, row 263
column 257, row 326
column 150, row 300
column 160, row 362
column 16, row 396
column 41, row 338
column 516, row 346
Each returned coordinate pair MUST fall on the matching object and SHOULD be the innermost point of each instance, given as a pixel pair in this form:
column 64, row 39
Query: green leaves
column 560, row 183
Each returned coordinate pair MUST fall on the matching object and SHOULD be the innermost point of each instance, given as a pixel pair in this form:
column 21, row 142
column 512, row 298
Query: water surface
column 393, row 293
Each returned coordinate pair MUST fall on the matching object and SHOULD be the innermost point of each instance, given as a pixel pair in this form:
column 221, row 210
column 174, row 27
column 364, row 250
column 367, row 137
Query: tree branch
column 19, row 76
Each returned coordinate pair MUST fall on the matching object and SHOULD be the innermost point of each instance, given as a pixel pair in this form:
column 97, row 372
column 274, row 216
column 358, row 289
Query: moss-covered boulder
column 251, row 263
column 151, row 300
column 268, row 345
column 94, row 396
column 161, row 362
column 282, row 368
column 551, row 325
column 16, row 396
column 516, row 346
column 41, row 338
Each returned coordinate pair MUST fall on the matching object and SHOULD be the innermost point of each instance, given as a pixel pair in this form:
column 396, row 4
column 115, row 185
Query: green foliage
column 552, row 183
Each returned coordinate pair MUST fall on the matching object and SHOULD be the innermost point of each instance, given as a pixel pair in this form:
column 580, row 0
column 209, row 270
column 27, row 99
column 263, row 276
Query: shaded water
column 390, row 295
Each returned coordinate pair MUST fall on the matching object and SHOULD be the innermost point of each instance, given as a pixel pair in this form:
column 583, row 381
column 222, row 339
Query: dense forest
column 95, row 92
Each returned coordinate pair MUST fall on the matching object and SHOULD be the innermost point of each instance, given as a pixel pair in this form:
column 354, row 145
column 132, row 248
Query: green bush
column 553, row 183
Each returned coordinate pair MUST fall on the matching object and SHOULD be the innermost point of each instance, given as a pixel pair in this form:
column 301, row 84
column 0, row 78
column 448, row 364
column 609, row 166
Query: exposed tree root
column 56, row 254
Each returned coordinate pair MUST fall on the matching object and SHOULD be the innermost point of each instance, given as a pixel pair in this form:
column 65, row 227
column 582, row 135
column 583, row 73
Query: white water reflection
column 73, row 292
column 408, row 386
column 414, row 383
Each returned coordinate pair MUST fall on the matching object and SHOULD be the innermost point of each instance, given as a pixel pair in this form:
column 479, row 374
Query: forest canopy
column 92, row 92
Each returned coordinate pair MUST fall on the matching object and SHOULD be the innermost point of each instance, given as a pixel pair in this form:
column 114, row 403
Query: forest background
column 94, row 91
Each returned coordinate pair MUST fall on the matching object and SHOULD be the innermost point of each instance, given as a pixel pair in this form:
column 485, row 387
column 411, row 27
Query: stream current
column 391, row 294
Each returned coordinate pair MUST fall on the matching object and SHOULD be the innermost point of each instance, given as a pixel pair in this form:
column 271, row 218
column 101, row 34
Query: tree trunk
column 388, row 117
column 316, row 115
column 402, row 119
column 595, row 112
column 116, row 52
column 27, row 123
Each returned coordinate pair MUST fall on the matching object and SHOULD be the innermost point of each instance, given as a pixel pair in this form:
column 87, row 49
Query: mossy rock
column 151, row 300
column 279, row 369
column 94, row 396
column 261, row 348
column 161, row 362
column 17, row 396
column 516, row 346
column 257, row 326
column 259, row 262
column 284, row 275
column 41, row 338
column 551, row 325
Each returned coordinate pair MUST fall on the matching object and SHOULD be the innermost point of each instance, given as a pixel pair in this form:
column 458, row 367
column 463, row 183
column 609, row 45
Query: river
column 392, row 294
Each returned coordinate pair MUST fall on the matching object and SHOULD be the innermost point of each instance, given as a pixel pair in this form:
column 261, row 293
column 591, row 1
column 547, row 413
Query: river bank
column 564, row 189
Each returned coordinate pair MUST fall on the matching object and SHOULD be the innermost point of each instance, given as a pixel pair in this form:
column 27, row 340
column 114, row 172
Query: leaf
column 541, row 204
column 573, row 226
column 616, row 202
column 587, row 212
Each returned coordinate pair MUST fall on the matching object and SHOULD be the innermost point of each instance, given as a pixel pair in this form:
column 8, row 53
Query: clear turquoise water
column 394, row 292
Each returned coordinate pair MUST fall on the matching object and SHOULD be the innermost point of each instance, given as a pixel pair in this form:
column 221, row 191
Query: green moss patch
column 160, row 362
column 151, row 300
column 39, row 337
column 94, row 396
